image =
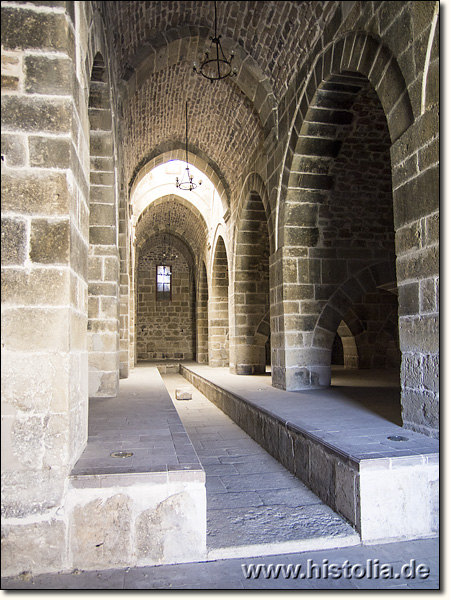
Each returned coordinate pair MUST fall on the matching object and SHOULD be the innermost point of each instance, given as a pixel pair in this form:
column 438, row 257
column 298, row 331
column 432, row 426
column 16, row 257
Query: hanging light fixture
column 170, row 255
column 216, row 66
column 187, row 182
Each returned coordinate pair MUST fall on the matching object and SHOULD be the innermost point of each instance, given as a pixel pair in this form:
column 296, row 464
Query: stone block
column 411, row 370
column 431, row 372
column 36, row 286
column 102, row 214
column 408, row 299
column 433, row 87
column 100, row 119
column 31, row 492
column 163, row 533
column 14, row 242
column 101, row 533
column 428, row 296
column 103, row 361
column 101, row 144
column 36, row 329
column 408, row 238
column 98, row 95
column 320, row 147
column 399, row 119
column 420, row 410
column 347, row 492
column 99, row 235
column 49, row 152
column 34, row 547
column 98, row 178
column 49, row 241
column 301, row 236
column 14, row 150
column 394, row 503
column 46, row 75
column 103, row 385
column 417, row 198
column 35, row 382
column 322, row 475
column 9, row 82
column 420, row 265
column 432, row 230
column 28, row 29
column 33, row 114
column 36, row 193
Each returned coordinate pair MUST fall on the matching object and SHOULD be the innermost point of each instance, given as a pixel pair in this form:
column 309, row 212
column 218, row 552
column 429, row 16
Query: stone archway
column 251, row 300
column 202, row 314
column 338, row 310
column 218, row 308
column 347, row 110
column 170, row 231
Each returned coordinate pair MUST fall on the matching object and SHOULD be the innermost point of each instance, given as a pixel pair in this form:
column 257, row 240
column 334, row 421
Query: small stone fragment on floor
column 183, row 393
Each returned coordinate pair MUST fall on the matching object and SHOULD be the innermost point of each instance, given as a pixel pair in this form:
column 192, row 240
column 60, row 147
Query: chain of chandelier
column 214, row 67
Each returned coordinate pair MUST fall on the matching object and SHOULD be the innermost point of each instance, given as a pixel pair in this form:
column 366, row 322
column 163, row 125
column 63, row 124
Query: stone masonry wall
column 45, row 186
column 164, row 328
column 396, row 46
column 103, row 260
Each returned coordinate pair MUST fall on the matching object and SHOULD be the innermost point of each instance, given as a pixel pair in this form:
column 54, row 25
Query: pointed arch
column 337, row 74
column 218, row 306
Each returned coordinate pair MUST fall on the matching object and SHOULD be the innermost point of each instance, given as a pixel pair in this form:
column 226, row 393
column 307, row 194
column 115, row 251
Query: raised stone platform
column 137, row 494
column 344, row 443
column 255, row 507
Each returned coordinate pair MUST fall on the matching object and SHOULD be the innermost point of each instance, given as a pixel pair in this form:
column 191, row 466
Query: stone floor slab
column 258, row 507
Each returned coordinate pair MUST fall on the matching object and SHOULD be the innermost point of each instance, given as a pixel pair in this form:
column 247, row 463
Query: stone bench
column 137, row 494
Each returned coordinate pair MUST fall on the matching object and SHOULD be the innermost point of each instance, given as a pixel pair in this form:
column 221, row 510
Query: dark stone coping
column 363, row 437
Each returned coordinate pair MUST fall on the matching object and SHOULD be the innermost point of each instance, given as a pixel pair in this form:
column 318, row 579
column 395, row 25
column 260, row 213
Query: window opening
column 164, row 282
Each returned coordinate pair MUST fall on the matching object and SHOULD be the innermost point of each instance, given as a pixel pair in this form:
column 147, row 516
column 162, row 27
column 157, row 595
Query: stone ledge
column 377, row 492
column 148, row 507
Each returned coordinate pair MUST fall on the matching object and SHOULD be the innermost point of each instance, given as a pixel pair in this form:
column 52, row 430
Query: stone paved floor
column 253, row 502
column 355, row 568
column 254, row 505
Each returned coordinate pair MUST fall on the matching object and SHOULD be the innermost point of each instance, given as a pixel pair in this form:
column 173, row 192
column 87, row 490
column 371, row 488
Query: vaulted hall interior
column 265, row 225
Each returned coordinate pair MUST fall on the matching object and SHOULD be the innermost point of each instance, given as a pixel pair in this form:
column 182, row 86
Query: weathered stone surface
column 29, row 492
column 163, row 533
column 346, row 492
column 13, row 150
column 35, row 193
column 35, row 329
column 384, row 513
column 22, row 544
column 31, row 29
column 101, row 533
column 49, row 152
column 49, row 241
column 417, row 198
column 14, row 242
column 35, row 382
column 46, row 75
column 35, row 114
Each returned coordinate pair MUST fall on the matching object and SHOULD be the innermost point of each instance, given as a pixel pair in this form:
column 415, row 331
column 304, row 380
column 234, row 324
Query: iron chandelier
column 187, row 181
column 216, row 66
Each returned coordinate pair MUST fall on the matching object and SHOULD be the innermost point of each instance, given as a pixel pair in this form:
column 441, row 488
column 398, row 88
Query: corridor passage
column 254, row 505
